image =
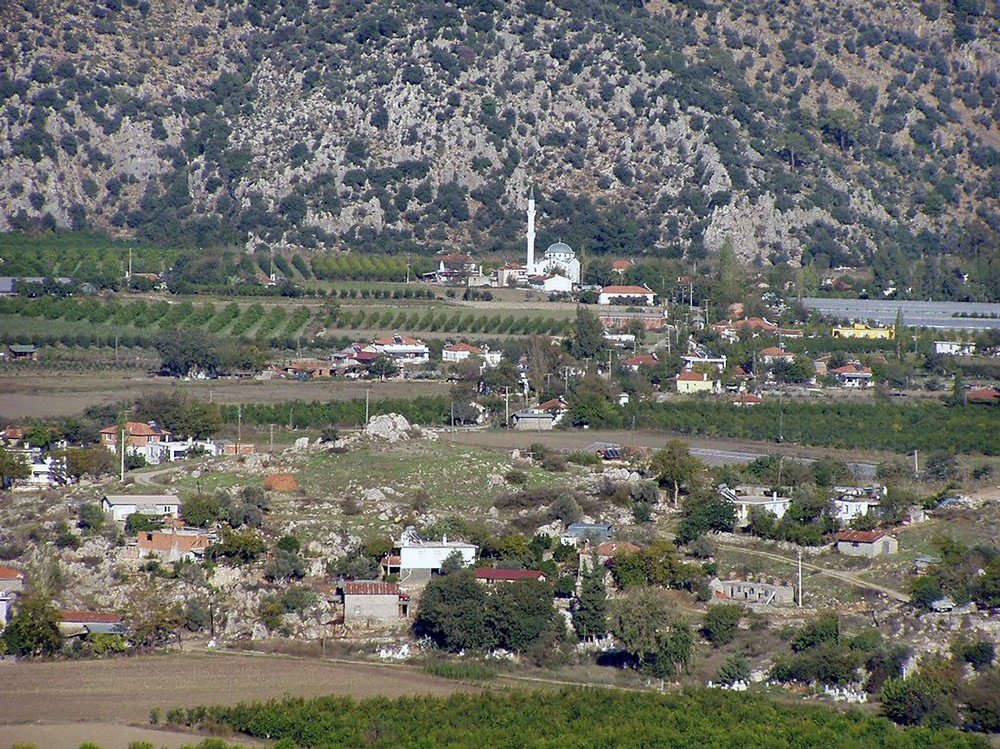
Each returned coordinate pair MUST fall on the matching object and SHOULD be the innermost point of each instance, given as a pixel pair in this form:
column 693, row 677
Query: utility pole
column 121, row 456
column 800, row 578
column 367, row 392
column 239, row 427
column 781, row 419
column 506, row 405
column 916, row 466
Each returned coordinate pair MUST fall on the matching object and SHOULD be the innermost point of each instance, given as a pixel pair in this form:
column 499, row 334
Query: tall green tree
column 674, row 466
column 13, row 466
column 383, row 366
column 519, row 613
column 588, row 334
column 645, row 621
column 590, row 615
column 453, row 613
column 730, row 287
column 34, row 628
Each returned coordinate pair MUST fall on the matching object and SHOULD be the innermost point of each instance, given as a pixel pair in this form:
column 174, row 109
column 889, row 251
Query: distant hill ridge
column 844, row 132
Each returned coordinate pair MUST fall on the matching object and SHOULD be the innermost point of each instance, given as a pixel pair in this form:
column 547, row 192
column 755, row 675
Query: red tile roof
column 753, row 323
column 555, row 404
column 643, row 360
column 88, row 617
column 627, row 290
column 184, row 542
column 983, row 394
column 622, row 264
column 775, row 351
column 485, row 573
column 748, row 398
column 370, row 588
column 464, row 347
column 852, row 369
column 614, row 548
column 691, row 376
column 859, row 537
column 397, row 340
column 138, row 429
column 9, row 573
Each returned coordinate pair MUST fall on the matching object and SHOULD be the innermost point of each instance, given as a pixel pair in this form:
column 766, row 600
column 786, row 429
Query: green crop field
column 82, row 321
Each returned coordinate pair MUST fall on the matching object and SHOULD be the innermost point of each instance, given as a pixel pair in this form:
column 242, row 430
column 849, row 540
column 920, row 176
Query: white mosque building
column 559, row 258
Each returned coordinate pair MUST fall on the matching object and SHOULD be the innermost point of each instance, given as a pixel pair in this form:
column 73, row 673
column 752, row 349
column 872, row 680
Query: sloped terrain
column 841, row 132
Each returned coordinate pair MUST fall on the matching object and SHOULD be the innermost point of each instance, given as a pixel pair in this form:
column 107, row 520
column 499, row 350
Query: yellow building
column 695, row 382
column 857, row 330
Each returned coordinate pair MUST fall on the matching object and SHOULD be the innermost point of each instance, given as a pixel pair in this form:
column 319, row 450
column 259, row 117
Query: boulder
column 388, row 428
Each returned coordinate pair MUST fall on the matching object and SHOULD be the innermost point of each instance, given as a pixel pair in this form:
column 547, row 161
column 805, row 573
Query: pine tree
column 590, row 617
column 588, row 338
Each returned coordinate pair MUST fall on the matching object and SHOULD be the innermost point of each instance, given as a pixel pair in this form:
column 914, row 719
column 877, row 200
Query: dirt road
column 844, row 577
column 124, row 690
column 105, row 735
column 714, row 450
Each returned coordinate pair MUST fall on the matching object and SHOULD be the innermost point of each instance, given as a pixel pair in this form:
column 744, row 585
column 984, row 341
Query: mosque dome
column 559, row 248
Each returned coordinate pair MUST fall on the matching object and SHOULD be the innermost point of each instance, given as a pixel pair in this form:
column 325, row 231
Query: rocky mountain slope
column 804, row 130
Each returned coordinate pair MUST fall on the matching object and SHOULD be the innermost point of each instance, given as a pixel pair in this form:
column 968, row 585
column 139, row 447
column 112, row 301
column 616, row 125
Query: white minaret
column 531, row 230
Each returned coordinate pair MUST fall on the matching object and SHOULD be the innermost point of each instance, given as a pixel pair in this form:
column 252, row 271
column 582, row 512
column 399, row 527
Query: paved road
column 713, row 456
column 845, row 577
column 940, row 315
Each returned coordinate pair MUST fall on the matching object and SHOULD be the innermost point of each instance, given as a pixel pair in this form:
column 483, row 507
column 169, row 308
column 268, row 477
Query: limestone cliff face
column 796, row 128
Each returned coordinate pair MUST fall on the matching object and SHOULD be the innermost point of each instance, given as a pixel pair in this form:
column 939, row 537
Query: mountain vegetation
column 821, row 133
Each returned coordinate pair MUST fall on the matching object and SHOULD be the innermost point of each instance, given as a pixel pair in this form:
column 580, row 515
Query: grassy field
column 420, row 480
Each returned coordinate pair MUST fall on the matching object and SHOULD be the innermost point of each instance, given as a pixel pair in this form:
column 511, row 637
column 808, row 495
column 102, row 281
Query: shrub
column 554, row 463
column 721, row 623
column 516, row 477
column 735, row 668
column 461, row 671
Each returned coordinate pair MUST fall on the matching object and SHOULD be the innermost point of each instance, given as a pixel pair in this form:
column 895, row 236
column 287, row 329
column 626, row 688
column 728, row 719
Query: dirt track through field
column 66, row 394
column 124, row 690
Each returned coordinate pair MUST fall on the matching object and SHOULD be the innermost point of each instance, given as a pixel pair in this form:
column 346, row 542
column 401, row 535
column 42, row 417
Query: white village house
column 639, row 295
column 120, row 506
column 402, row 349
column 868, row 544
column 416, row 560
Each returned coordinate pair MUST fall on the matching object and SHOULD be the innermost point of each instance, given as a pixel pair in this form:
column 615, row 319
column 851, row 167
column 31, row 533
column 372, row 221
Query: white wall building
column 403, row 349
column 459, row 352
column 746, row 499
column 559, row 258
column 954, row 348
column 120, row 506
column 609, row 294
